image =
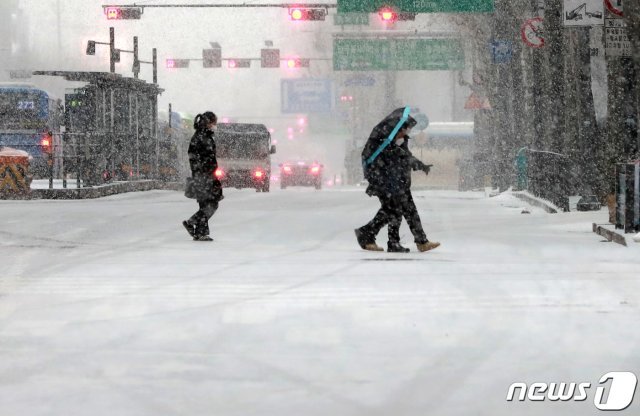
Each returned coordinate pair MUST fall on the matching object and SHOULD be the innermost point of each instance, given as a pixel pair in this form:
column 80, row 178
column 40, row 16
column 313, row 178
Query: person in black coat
column 387, row 166
column 203, row 163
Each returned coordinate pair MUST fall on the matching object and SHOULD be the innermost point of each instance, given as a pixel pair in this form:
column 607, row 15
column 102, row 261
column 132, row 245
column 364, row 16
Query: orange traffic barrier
column 14, row 172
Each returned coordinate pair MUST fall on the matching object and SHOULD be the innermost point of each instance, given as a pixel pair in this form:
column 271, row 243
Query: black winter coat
column 203, row 163
column 390, row 173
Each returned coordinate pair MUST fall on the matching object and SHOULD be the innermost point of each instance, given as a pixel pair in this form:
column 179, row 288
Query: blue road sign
column 501, row 51
column 306, row 95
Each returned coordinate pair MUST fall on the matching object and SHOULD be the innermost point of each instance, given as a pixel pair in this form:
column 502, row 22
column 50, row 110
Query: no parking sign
column 531, row 32
column 614, row 6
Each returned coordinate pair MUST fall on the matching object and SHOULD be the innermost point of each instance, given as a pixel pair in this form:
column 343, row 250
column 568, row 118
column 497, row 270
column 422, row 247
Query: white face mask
column 399, row 142
column 214, row 127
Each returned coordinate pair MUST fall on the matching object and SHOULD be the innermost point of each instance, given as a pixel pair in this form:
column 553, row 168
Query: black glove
column 426, row 169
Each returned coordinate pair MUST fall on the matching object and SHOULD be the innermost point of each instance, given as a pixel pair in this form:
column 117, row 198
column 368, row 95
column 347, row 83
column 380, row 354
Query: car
column 301, row 173
column 588, row 203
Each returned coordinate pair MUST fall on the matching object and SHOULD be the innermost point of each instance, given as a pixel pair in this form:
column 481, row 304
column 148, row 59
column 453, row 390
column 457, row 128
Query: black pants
column 407, row 209
column 391, row 211
column 201, row 218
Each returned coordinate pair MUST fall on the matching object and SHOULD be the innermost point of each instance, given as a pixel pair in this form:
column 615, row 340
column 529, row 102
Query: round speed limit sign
column 532, row 32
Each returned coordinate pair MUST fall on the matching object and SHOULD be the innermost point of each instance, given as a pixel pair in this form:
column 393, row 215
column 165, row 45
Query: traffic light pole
column 154, row 62
column 137, row 61
column 155, row 66
column 271, row 5
column 112, row 50
column 114, row 54
column 255, row 59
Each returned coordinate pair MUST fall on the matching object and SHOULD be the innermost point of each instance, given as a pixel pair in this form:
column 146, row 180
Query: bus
column 30, row 120
column 244, row 155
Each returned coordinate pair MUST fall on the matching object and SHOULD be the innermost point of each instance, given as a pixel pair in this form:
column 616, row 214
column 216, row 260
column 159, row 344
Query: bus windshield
column 241, row 142
column 240, row 147
column 22, row 110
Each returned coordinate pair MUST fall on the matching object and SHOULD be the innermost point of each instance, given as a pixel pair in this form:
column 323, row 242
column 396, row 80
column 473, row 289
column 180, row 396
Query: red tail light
column 258, row 174
column 287, row 169
column 315, row 170
column 219, row 173
column 45, row 142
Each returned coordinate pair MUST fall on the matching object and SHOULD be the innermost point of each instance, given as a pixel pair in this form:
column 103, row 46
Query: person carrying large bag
column 203, row 186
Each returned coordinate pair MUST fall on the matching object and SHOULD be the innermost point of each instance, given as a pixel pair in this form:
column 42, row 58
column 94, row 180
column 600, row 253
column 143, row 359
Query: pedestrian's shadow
column 411, row 259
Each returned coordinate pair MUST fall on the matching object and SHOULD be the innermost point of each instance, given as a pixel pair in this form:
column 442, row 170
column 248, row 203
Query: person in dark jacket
column 203, row 163
column 387, row 164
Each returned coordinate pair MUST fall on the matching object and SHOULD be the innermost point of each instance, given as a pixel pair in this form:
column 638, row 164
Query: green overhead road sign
column 397, row 54
column 417, row 6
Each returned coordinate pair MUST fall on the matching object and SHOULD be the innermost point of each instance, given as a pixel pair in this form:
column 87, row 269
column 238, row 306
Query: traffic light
column 391, row 15
column 270, row 58
column 46, row 142
column 135, row 68
column 239, row 63
column 298, row 62
column 406, row 16
column 91, row 47
column 177, row 63
column 211, row 58
column 388, row 15
column 123, row 13
column 302, row 13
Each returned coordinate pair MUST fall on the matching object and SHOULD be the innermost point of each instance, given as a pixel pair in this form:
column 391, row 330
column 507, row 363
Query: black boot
column 363, row 238
column 190, row 228
column 396, row 248
column 367, row 241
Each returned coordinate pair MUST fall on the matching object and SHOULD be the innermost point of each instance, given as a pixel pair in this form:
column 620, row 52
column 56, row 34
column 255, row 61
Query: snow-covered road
column 108, row 308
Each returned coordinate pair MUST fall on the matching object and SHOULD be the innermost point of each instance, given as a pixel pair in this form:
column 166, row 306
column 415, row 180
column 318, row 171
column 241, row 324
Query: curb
column 105, row 190
column 537, row 202
column 609, row 235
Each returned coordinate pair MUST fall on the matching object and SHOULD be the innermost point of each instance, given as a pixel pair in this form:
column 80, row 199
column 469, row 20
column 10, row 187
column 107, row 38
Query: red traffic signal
column 177, row 63
column 123, row 13
column 239, row 63
column 302, row 13
column 46, row 141
column 298, row 62
column 388, row 15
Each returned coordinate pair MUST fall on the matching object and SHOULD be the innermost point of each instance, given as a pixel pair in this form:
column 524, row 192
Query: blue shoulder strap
column 403, row 119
